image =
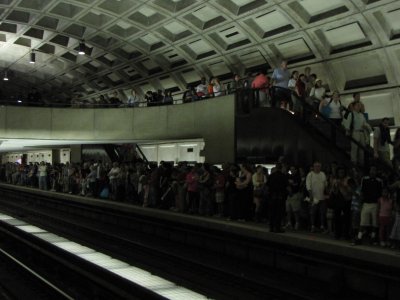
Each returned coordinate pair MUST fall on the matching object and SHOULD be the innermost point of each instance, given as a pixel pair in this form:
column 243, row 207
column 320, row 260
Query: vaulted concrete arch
column 169, row 43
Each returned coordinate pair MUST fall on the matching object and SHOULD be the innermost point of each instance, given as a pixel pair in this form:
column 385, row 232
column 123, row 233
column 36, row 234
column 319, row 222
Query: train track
column 42, row 269
column 133, row 239
column 14, row 275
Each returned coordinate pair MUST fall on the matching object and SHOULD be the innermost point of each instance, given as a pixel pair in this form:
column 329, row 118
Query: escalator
column 265, row 134
column 125, row 152
column 112, row 152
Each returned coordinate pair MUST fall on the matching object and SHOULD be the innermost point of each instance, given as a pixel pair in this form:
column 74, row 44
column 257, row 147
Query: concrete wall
column 212, row 120
column 187, row 150
column 51, row 156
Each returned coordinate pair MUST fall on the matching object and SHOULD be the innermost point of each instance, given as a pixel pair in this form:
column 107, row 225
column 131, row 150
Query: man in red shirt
column 261, row 84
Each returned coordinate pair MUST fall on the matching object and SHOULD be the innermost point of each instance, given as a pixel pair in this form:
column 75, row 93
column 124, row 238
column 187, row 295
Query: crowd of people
column 336, row 200
column 304, row 94
column 295, row 91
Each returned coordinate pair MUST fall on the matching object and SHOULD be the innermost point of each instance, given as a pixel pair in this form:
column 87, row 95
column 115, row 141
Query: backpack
column 105, row 193
column 326, row 109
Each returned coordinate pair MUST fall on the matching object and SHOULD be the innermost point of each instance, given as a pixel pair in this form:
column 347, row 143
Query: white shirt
column 318, row 93
column 114, row 173
column 292, row 84
column 202, row 88
column 256, row 183
column 359, row 121
column 335, row 110
column 133, row 100
column 316, row 184
column 42, row 170
column 217, row 90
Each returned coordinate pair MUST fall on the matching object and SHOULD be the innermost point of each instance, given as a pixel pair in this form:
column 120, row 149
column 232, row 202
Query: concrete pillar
column 55, row 153
column 76, row 153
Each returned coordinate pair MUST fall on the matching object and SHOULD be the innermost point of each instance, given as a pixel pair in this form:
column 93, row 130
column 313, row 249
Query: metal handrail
column 143, row 155
column 143, row 103
column 368, row 151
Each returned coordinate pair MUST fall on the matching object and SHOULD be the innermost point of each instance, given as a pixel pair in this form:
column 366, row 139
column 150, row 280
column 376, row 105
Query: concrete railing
column 211, row 119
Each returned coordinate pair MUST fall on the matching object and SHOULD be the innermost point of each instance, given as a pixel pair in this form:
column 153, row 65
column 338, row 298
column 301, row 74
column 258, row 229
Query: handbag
column 326, row 110
column 105, row 193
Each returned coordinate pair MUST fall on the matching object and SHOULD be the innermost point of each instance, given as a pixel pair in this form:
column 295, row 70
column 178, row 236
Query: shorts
column 219, row 197
column 293, row 202
column 369, row 215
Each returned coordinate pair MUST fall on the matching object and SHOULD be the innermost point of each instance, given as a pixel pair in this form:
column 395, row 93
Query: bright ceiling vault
column 167, row 44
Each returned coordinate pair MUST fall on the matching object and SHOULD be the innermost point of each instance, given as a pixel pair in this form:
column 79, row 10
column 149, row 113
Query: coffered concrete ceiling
column 151, row 44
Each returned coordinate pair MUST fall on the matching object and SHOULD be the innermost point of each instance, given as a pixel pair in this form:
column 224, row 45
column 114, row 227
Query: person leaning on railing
column 299, row 95
column 356, row 125
column 332, row 108
column 133, row 99
column 260, row 84
column 189, row 95
column 382, row 140
column 280, row 78
column 168, row 99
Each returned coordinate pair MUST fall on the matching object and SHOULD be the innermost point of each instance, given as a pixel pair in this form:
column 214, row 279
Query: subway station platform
column 372, row 271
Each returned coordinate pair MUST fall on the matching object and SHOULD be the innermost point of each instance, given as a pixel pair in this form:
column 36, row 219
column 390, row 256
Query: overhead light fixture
column 82, row 48
column 5, row 78
column 33, row 57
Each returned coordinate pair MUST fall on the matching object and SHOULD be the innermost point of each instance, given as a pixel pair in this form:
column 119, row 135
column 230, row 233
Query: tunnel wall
column 212, row 120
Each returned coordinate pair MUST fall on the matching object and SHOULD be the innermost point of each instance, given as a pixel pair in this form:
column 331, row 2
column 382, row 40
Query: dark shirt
column 34, row 97
column 168, row 100
column 114, row 102
column 301, row 88
column 277, row 183
column 371, row 189
column 294, row 182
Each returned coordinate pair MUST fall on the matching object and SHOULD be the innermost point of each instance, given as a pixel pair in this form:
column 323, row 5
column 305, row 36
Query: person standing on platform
column 371, row 191
column 193, row 196
column 231, row 192
column 340, row 197
column 355, row 207
column 245, row 192
column 205, row 185
column 385, row 210
column 259, row 179
column 42, row 176
column 114, row 177
column 277, row 185
column 293, row 202
column 219, row 187
column 316, row 184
